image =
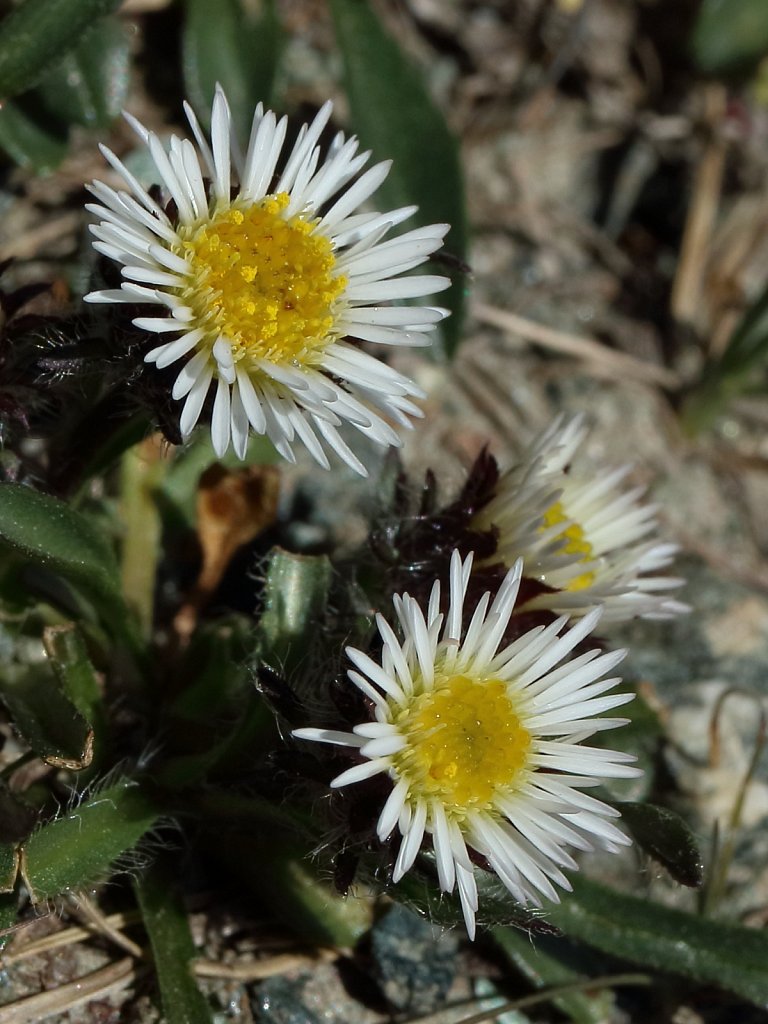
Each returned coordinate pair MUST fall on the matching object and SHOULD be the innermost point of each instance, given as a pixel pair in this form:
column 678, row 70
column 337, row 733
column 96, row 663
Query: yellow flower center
column 264, row 282
column 574, row 543
column 465, row 742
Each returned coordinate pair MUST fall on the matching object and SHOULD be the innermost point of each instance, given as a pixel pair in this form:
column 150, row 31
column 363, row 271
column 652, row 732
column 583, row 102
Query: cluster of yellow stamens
column 574, row 543
column 464, row 742
column 264, row 282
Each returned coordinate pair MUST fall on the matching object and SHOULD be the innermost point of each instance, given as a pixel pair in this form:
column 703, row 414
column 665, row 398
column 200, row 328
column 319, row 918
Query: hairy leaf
column 295, row 595
column 172, row 947
column 45, row 717
column 50, row 534
column 666, row 837
column 667, row 940
column 79, row 847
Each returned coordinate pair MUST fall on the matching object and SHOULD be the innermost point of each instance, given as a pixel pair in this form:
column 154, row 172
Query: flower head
column 265, row 276
column 580, row 533
column 484, row 746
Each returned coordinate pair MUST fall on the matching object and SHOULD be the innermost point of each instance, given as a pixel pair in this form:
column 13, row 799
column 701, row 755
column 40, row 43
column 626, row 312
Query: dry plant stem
column 84, row 907
column 715, row 889
column 11, row 768
column 267, row 967
column 63, row 938
column 588, row 349
column 142, row 469
column 29, row 243
column 96, row 985
column 688, row 287
column 583, row 985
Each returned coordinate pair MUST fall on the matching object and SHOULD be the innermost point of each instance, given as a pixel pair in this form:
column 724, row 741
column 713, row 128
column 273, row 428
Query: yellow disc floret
column 464, row 742
column 574, row 543
column 264, row 282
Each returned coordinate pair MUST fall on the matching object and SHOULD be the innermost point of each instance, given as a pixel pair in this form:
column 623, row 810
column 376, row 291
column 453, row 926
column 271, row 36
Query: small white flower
column 580, row 533
column 265, row 276
column 484, row 746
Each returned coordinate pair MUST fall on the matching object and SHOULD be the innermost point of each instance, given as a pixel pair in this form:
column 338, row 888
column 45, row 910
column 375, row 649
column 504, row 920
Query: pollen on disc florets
column 261, row 279
column 265, row 282
column 574, row 542
column 465, row 743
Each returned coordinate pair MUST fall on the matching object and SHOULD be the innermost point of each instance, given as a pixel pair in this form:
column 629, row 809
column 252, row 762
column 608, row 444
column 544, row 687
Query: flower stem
column 142, row 469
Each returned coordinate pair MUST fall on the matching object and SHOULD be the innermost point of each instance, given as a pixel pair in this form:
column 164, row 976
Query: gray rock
column 414, row 962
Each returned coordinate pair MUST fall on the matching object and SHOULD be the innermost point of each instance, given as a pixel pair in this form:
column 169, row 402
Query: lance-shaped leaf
column 277, row 871
column 45, row 717
column 77, row 677
column 645, row 933
column 37, row 33
column 543, row 963
column 79, row 847
column 48, row 533
column 28, row 143
column 90, row 84
column 237, row 48
column 395, row 116
column 295, row 596
column 667, row 838
column 172, row 947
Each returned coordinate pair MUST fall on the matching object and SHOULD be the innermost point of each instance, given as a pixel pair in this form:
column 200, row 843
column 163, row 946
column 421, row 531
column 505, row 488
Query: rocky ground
column 618, row 212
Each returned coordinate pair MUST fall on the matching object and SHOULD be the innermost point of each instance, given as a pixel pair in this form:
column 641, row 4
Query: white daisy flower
column 581, row 533
column 484, row 746
column 266, row 276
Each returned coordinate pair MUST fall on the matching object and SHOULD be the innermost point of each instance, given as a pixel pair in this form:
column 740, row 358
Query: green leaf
column 237, row 46
column 79, row 848
column 539, row 963
column 45, row 717
column 295, row 596
column 172, row 946
column 77, row 677
column 219, row 715
column 497, row 907
column 734, row 958
column 394, row 116
column 49, row 534
column 215, row 670
column 26, row 142
column 730, row 36
column 667, row 838
column 277, row 871
column 90, row 85
column 37, row 33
